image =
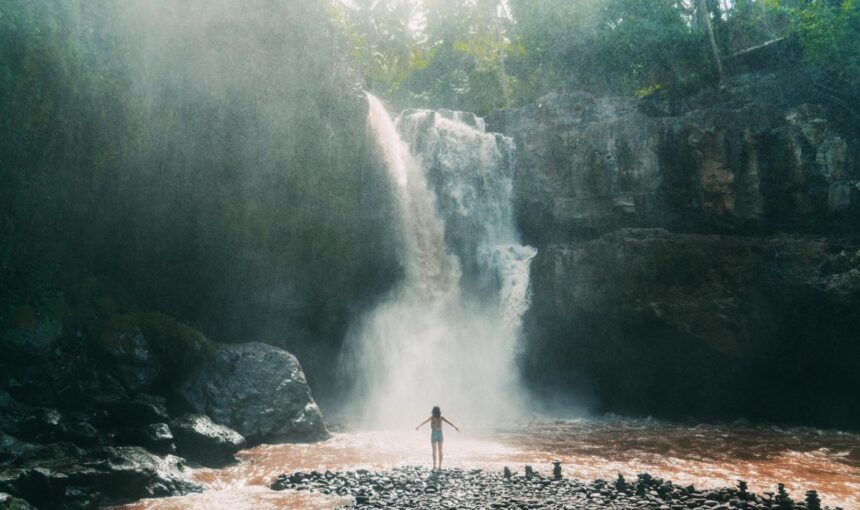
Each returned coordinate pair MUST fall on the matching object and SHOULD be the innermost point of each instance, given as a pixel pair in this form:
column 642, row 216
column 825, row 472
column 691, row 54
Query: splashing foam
column 447, row 335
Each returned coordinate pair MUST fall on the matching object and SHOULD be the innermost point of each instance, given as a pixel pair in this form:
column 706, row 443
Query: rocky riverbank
column 416, row 487
column 102, row 411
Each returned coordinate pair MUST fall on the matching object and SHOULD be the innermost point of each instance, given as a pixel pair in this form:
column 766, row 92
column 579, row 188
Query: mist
column 221, row 172
column 433, row 341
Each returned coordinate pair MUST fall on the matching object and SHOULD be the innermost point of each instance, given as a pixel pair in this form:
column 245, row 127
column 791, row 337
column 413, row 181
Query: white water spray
column 447, row 335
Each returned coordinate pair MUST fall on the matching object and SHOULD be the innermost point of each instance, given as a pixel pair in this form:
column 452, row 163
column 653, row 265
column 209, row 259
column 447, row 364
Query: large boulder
column 200, row 439
column 256, row 389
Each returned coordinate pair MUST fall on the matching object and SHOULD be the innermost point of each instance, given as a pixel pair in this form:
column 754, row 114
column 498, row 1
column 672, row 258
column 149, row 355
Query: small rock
column 141, row 410
column 200, row 439
column 155, row 437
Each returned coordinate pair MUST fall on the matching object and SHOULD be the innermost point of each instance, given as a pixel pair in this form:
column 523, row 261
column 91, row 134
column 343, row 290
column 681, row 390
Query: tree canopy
column 484, row 54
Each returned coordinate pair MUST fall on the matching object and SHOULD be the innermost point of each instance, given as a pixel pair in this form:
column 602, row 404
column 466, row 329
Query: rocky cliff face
column 699, row 254
column 752, row 157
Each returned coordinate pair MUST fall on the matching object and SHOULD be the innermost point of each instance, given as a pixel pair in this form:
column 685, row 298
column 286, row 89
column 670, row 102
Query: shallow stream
column 704, row 455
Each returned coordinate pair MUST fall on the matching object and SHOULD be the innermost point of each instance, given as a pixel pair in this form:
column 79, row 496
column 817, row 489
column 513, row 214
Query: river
column 703, row 455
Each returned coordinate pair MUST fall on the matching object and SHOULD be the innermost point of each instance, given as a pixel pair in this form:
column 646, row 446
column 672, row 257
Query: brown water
column 704, row 455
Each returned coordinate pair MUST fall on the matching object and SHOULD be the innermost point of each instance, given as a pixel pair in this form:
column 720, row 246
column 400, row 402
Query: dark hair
column 436, row 412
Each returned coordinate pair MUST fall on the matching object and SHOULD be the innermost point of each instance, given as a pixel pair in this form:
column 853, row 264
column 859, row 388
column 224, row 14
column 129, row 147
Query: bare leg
column 440, row 455
column 434, row 443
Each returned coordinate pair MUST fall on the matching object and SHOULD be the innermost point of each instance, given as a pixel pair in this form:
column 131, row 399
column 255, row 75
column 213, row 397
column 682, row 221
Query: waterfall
column 447, row 335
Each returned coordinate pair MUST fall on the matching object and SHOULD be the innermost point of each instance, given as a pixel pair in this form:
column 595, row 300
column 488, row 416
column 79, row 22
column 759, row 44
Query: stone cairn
column 621, row 484
column 783, row 501
column 743, row 494
column 812, row 501
column 530, row 473
column 556, row 470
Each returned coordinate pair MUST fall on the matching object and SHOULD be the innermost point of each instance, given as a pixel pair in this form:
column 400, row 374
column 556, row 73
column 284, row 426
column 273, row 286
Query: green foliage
column 749, row 23
column 434, row 52
column 384, row 40
column 830, row 34
column 484, row 54
column 611, row 46
column 480, row 55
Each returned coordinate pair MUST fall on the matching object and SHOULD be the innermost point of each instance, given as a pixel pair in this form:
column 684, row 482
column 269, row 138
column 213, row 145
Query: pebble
column 418, row 487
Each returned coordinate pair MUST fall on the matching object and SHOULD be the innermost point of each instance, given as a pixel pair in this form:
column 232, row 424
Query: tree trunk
column 502, row 75
column 715, row 52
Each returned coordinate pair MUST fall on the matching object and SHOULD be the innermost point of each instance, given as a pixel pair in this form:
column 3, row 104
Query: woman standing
column 436, row 437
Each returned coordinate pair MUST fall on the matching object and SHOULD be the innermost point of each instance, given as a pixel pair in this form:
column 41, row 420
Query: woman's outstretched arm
column 449, row 423
column 422, row 423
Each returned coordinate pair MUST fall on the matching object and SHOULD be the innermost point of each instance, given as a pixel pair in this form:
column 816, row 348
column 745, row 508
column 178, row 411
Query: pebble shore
column 418, row 487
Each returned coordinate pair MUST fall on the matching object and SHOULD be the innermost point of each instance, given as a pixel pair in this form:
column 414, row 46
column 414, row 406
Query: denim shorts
column 436, row 435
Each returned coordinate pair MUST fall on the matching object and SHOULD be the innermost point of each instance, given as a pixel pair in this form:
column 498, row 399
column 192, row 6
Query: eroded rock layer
column 696, row 257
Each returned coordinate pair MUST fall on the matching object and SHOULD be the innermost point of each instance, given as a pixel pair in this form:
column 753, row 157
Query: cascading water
column 447, row 334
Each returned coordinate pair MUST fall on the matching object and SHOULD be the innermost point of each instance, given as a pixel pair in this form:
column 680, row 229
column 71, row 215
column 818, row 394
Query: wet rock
column 130, row 356
column 31, row 336
column 258, row 390
column 42, row 424
column 80, row 431
column 80, row 498
column 66, row 379
column 155, row 437
column 158, row 438
column 62, row 475
column 13, row 415
column 46, row 425
column 11, row 448
column 200, row 439
column 142, row 409
column 9, row 502
column 414, row 487
column 101, row 388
